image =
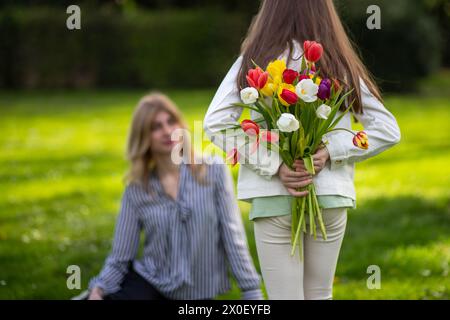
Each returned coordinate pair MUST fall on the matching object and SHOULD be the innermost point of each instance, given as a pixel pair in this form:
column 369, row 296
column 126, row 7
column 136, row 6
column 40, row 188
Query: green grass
column 61, row 168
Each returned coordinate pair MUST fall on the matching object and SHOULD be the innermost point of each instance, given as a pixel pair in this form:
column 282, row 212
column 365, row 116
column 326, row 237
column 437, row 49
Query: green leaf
column 256, row 65
column 287, row 158
column 285, row 145
column 243, row 105
column 336, row 121
column 294, row 140
column 300, row 143
column 266, row 116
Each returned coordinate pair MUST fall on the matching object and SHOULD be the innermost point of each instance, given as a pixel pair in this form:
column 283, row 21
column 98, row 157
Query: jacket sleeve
column 233, row 236
column 221, row 115
column 380, row 126
column 124, row 249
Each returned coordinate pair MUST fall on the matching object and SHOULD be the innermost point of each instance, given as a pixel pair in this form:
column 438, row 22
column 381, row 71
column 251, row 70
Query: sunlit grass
column 61, row 168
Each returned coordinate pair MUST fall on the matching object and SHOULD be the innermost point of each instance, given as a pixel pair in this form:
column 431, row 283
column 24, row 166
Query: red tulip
column 313, row 50
column 257, row 78
column 303, row 77
column 250, row 127
column 289, row 76
column 289, row 96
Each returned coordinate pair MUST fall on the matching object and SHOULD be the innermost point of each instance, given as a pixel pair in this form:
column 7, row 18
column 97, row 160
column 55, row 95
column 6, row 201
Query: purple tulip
column 326, row 82
column 324, row 89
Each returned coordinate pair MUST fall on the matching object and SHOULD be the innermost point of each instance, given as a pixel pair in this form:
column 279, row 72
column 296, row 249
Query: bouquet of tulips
column 301, row 106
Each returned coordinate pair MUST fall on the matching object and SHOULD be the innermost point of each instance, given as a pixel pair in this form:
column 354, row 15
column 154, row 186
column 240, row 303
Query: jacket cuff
column 336, row 150
column 255, row 294
column 272, row 169
column 266, row 166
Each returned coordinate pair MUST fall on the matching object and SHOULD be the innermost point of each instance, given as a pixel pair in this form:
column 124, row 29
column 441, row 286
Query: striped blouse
column 190, row 242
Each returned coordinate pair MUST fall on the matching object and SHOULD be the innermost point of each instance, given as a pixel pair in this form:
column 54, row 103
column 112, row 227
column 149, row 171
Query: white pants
column 286, row 277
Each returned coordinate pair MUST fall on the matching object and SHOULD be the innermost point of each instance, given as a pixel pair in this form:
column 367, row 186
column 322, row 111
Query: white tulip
column 288, row 123
column 249, row 95
column 323, row 111
column 307, row 90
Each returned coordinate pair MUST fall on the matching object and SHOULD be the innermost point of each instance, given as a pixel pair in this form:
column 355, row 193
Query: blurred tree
column 440, row 9
column 408, row 47
column 412, row 43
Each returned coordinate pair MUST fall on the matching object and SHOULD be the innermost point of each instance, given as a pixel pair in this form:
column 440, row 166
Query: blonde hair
column 139, row 152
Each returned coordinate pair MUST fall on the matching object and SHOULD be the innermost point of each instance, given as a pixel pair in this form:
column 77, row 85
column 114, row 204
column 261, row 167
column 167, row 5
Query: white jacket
column 337, row 178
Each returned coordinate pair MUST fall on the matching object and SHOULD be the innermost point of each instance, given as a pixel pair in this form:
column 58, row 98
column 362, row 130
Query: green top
column 281, row 205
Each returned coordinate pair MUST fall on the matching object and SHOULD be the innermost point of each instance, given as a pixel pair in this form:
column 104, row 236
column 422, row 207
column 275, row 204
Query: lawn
column 61, row 168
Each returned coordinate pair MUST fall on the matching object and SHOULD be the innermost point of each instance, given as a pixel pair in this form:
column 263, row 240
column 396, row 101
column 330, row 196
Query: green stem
column 294, row 212
column 319, row 216
column 343, row 129
column 311, row 214
column 297, row 234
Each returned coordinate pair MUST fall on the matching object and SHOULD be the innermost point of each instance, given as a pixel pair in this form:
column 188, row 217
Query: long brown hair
column 139, row 152
column 279, row 23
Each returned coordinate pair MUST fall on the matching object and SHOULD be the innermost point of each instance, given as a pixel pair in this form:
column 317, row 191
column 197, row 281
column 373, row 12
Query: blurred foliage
column 137, row 43
column 409, row 46
column 170, row 48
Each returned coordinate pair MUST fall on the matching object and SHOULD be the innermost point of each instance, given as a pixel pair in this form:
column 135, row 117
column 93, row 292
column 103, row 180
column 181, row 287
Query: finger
column 302, row 173
column 297, row 179
column 299, row 169
column 296, row 185
column 296, row 193
column 319, row 153
column 297, row 174
column 318, row 157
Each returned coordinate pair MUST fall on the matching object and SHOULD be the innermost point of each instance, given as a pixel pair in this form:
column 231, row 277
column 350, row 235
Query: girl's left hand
column 320, row 158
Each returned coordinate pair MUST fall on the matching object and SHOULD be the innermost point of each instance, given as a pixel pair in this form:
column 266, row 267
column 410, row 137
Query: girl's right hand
column 293, row 180
column 96, row 294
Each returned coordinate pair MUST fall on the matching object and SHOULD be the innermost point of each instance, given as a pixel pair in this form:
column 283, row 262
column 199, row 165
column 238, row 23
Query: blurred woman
column 187, row 212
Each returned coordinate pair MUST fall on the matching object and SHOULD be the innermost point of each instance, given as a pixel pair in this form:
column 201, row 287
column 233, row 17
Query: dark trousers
column 135, row 287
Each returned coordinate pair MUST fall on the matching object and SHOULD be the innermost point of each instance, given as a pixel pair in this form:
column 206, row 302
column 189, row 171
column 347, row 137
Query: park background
column 66, row 100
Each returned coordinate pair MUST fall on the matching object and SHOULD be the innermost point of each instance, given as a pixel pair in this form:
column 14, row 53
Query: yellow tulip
column 271, row 86
column 276, row 69
column 268, row 89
